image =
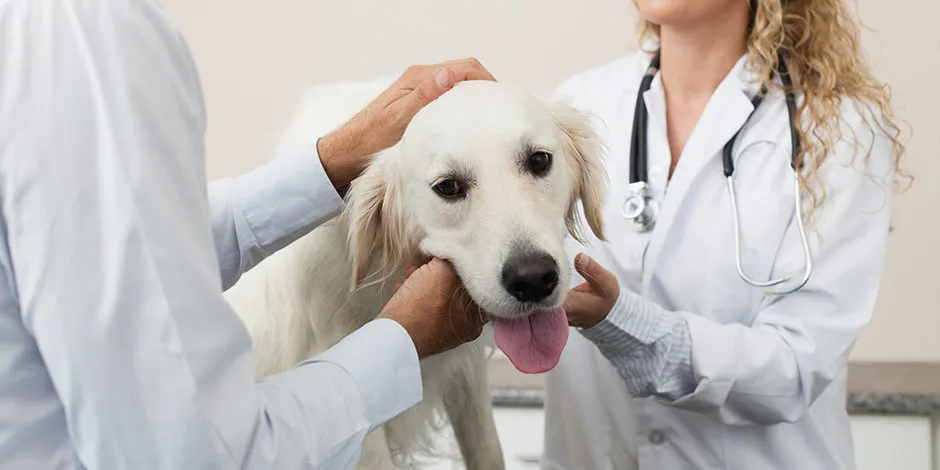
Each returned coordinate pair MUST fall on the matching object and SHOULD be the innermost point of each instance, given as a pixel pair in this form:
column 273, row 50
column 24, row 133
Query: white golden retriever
column 488, row 177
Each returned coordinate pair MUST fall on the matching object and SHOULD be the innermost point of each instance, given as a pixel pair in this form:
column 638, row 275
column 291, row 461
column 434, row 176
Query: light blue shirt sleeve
column 116, row 253
column 258, row 213
column 650, row 347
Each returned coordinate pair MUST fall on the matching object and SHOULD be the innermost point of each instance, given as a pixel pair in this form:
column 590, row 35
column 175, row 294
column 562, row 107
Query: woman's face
column 689, row 12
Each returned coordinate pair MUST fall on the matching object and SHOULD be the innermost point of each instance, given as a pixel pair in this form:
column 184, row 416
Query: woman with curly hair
column 715, row 326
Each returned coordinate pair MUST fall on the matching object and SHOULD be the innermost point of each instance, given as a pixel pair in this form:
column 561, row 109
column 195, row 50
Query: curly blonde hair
column 821, row 43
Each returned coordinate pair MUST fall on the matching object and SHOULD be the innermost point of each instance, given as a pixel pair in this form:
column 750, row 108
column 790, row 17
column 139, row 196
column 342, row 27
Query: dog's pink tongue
column 533, row 343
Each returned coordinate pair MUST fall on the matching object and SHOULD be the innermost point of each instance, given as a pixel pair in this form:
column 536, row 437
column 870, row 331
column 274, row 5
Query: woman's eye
column 539, row 163
column 449, row 189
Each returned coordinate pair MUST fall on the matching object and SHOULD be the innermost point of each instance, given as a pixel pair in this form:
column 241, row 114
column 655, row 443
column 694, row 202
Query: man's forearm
column 260, row 212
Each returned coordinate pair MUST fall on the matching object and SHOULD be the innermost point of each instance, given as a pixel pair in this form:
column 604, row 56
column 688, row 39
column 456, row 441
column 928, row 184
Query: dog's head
column 490, row 179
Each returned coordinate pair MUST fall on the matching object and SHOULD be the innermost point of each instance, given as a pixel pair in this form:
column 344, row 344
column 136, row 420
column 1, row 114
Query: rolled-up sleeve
column 112, row 240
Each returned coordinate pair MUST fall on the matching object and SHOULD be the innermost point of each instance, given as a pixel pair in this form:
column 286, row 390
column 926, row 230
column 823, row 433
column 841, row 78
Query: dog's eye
column 539, row 163
column 449, row 189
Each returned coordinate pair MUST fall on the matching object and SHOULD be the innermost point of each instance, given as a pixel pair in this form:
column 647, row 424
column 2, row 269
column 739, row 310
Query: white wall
column 905, row 48
column 255, row 56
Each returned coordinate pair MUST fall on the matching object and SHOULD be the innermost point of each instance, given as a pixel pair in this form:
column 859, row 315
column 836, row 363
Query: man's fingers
column 473, row 73
column 397, row 286
column 445, row 76
column 411, row 270
column 430, row 82
column 469, row 69
column 462, row 69
column 429, row 89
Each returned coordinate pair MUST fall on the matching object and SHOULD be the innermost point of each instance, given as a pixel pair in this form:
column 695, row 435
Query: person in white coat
column 117, row 348
column 679, row 363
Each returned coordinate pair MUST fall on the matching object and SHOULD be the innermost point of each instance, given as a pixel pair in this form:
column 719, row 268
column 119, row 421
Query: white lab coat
column 770, row 372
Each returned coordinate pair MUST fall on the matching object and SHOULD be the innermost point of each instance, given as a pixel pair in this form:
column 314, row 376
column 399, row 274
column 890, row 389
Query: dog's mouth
column 532, row 339
column 533, row 342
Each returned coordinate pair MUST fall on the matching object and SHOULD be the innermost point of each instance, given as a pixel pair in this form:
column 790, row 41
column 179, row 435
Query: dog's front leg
column 470, row 411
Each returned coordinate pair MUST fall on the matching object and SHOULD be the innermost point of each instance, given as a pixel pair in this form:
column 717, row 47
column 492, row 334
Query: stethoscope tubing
column 645, row 209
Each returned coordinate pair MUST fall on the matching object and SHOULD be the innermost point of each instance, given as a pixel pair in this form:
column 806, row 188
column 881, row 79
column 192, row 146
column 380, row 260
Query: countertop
column 873, row 387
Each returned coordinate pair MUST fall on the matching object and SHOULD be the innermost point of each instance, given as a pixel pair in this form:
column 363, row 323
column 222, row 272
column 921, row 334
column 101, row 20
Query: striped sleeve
column 650, row 347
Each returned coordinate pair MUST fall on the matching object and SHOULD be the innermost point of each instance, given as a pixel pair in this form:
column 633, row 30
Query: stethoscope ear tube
column 640, row 208
column 638, row 160
column 795, row 145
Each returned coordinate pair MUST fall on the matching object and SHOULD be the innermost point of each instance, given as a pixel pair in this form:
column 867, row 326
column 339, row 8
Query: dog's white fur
column 298, row 302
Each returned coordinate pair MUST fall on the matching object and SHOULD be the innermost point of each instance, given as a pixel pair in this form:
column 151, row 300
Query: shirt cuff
column 287, row 196
column 627, row 316
column 382, row 360
column 649, row 346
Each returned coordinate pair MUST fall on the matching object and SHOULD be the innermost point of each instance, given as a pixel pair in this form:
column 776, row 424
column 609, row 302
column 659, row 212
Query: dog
column 488, row 177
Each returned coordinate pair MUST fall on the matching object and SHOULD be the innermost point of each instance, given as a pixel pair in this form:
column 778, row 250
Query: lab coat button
column 656, row 437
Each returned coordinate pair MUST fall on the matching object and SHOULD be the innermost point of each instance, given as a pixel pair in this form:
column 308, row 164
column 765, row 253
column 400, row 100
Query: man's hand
column 588, row 303
column 345, row 152
column 435, row 309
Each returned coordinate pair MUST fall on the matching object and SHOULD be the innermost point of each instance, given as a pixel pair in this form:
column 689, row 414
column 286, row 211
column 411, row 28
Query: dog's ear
column 583, row 148
column 374, row 218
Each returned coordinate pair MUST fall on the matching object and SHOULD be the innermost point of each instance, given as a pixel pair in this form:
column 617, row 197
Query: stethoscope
column 641, row 209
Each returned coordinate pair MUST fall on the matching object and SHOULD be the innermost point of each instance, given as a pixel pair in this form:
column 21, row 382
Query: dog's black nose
column 530, row 277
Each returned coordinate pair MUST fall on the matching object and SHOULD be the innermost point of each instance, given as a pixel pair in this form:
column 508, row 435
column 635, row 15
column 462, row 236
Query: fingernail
column 581, row 260
column 443, row 79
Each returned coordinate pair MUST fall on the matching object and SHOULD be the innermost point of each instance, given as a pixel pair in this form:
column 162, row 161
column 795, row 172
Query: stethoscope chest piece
column 639, row 207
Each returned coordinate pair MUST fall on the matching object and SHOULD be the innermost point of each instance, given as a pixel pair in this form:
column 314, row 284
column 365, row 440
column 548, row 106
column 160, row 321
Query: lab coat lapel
column 726, row 112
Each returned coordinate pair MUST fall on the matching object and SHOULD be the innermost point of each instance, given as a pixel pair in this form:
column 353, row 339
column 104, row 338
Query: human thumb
column 430, row 89
column 592, row 272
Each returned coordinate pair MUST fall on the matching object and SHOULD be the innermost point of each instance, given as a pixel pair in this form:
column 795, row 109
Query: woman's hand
column 590, row 302
column 345, row 151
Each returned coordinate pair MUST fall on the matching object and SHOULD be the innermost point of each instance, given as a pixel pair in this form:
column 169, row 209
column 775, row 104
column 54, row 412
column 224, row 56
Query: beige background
column 255, row 56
